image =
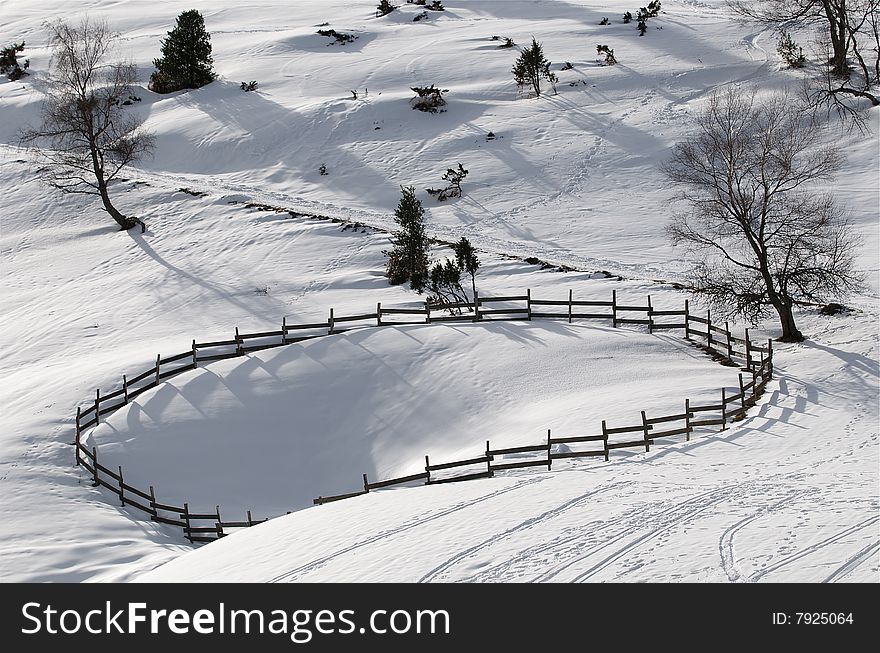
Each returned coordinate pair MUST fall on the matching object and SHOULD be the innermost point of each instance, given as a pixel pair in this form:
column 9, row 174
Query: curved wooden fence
column 755, row 360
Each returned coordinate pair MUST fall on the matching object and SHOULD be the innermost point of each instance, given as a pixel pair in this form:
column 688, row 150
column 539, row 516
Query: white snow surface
column 788, row 494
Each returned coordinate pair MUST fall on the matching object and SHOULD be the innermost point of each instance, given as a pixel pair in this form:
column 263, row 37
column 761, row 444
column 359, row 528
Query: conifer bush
column 9, row 65
column 610, row 60
column 408, row 259
column 792, row 54
column 384, row 8
column 531, row 67
column 428, row 98
column 186, row 61
column 454, row 177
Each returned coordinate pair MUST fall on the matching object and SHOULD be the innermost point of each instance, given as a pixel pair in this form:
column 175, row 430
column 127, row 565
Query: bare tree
column 765, row 237
column 831, row 15
column 841, row 94
column 846, row 27
column 87, row 135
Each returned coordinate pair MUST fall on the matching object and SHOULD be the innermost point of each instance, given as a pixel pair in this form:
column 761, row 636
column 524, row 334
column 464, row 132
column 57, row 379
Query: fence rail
column 753, row 358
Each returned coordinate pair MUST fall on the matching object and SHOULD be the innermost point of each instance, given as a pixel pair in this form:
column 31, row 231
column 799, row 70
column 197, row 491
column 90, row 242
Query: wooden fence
column 755, row 360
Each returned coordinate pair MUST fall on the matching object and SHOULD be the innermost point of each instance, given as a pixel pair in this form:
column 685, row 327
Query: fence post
column 613, row 310
column 605, row 439
column 125, row 388
column 378, row 313
column 687, row 419
column 284, row 329
column 195, row 361
column 97, row 406
column 158, row 363
column 76, row 438
column 427, row 312
column 645, row 429
column 709, row 327
column 529, row 303
column 427, row 470
column 330, row 323
column 94, row 467
column 770, row 353
column 476, row 306
column 650, row 316
column 366, row 484
column 238, row 343
column 153, row 500
column 488, row 449
column 250, row 519
column 748, row 350
column 687, row 316
column 729, row 342
column 187, row 531
column 569, row 305
column 742, row 393
column 220, row 532
column 723, row 409
column 754, row 386
column 121, row 488
column 549, row 459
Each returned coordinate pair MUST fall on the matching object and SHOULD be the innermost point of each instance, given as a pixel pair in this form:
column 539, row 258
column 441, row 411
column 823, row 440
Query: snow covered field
column 790, row 493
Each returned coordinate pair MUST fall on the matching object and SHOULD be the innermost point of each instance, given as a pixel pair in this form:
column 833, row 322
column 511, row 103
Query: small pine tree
column 428, row 98
column 627, row 17
column 455, row 177
column 531, row 67
column 792, row 54
column 467, row 261
column 653, row 9
column 9, row 65
column 384, row 8
column 610, row 60
column 408, row 260
column 453, row 189
column 445, row 285
column 186, row 60
column 642, row 26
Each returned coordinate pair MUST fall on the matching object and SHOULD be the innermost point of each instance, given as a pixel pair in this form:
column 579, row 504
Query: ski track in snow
column 814, row 548
column 313, row 565
column 729, row 562
column 438, row 573
column 861, row 556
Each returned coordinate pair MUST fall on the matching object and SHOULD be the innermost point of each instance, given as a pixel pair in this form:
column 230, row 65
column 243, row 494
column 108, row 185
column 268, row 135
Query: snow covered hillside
column 790, row 493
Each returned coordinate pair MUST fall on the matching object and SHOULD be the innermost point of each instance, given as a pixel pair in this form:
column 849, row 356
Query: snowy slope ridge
column 199, row 438
column 788, row 493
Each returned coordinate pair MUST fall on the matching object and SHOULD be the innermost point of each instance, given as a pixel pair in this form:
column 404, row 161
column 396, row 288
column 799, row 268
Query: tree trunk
column 780, row 301
column 790, row 332
column 837, row 22
column 124, row 222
